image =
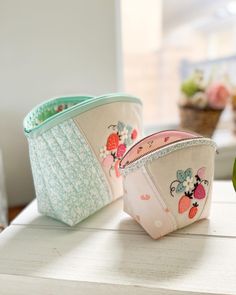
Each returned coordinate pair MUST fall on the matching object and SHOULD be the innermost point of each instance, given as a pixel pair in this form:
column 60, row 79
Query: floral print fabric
column 69, row 181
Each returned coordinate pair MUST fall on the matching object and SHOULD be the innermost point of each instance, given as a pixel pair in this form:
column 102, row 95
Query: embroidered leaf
column 188, row 173
column 129, row 128
column 180, row 175
column 128, row 141
column 120, row 126
column 234, row 175
column 180, row 188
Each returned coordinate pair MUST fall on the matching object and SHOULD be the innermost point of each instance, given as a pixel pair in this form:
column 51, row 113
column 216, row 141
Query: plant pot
column 202, row 121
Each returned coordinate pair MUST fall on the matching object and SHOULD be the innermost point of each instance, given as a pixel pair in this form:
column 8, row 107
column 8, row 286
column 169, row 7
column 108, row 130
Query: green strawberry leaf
column 120, row 126
column 180, row 175
column 129, row 128
column 188, row 173
column 180, row 188
column 128, row 141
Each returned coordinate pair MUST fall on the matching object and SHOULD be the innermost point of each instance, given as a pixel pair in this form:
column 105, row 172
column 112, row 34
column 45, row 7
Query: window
column 164, row 40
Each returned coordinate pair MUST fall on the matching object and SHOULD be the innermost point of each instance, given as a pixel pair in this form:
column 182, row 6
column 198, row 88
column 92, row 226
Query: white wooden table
column 110, row 253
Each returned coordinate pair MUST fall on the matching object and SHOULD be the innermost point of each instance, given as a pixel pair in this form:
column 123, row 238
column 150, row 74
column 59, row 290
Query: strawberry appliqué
column 191, row 187
column 121, row 137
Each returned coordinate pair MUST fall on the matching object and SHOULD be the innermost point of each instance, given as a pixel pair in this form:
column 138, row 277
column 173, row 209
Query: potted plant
column 201, row 103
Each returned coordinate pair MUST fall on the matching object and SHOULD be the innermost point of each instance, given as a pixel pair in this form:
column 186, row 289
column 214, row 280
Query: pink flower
column 218, row 95
column 134, row 134
column 121, row 150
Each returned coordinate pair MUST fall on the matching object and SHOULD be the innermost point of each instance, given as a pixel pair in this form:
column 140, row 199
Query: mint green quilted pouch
column 75, row 146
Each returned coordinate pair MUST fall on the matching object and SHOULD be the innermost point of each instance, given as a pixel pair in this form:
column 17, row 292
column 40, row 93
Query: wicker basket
column 202, row 121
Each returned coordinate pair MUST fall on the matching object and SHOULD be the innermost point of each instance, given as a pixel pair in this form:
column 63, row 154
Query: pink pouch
column 168, row 180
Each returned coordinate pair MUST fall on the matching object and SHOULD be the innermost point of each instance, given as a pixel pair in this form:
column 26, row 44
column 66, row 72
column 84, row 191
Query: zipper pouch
column 75, row 146
column 168, row 180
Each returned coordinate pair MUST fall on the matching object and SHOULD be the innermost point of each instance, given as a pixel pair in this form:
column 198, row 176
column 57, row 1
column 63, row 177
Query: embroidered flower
column 188, row 184
column 121, row 150
column 124, row 134
column 103, row 152
column 181, row 178
column 218, row 95
column 118, row 141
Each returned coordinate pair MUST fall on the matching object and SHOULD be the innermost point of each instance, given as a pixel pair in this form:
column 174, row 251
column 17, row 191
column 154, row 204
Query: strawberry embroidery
column 121, row 150
column 112, row 141
column 184, row 204
column 134, row 134
column 121, row 137
column 193, row 211
column 192, row 187
column 199, row 192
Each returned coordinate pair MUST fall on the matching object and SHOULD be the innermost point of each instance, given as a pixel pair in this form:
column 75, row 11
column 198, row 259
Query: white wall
column 50, row 48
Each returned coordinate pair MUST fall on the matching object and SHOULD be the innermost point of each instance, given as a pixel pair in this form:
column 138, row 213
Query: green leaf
column 180, row 188
column 189, row 87
column 129, row 128
column 180, row 175
column 120, row 126
column 128, row 141
column 188, row 173
column 234, row 175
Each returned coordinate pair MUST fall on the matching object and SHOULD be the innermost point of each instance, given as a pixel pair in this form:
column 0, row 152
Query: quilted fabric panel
column 70, row 184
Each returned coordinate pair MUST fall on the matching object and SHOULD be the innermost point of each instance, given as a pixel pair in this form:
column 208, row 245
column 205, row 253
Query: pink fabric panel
column 144, row 204
column 155, row 141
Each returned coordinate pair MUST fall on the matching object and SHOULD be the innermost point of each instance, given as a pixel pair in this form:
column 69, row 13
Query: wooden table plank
column 222, row 221
column 223, row 192
column 22, row 285
column 109, row 253
column 196, row 263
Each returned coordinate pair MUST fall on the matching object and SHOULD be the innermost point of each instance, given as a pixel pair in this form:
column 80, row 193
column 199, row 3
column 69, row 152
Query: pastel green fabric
column 69, row 180
column 45, row 116
column 49, row 111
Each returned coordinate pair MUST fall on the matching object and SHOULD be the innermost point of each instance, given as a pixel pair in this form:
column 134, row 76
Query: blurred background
column 144, row 47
